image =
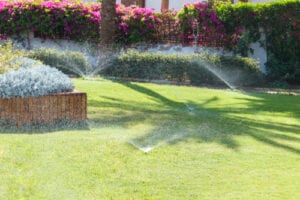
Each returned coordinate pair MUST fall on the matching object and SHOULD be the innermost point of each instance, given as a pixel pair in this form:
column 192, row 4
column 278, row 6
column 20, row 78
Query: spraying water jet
column 216, row 71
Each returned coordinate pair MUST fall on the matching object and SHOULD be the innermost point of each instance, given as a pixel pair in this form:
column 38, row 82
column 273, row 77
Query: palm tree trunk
column 164, row 5
column 140, row 3
column 108, row 22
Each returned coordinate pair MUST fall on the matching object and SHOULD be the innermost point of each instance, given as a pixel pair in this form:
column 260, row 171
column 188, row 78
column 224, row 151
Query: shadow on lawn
column 176, row 121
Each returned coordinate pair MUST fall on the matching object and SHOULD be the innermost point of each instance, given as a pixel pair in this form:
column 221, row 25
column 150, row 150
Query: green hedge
column 69, row 62
column 194, row 68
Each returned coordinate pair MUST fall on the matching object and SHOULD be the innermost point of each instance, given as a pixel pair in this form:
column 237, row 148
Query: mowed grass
column 207, row 144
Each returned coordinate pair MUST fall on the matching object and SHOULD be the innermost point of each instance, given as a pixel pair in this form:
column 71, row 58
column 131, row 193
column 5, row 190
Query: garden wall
column 70, row 106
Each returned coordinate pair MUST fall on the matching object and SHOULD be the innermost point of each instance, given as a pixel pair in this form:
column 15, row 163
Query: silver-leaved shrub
column 26, row 63
column 34, row 82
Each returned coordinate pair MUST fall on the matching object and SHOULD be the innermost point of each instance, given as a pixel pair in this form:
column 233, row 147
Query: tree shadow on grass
column 176, row 121
column 153, row 95
column 274, row 103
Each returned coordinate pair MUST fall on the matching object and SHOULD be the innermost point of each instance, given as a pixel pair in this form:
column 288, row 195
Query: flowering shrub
column 50, row 19
column 136, row 24
column 236, row 26
column 200, row 22
column 3, row 37
column 33, row 82
column 76, row 21
column 167, row 28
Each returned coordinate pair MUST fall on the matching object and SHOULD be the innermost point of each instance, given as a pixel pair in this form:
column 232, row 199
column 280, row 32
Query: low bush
column 27, row 63
column 69, row 62
column 33, row 82
column 197, row 68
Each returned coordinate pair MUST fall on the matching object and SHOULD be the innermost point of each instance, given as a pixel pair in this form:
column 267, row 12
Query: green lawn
column 208, row 144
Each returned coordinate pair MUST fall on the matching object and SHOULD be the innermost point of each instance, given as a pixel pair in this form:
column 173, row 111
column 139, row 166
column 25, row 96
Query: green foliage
column 282, row 72
column 240, row 17
column 69, row 62
column 8, row 57
column 216, row 3
column 283, row 35
column 279, row 21
column 187, row 14
column 185, row 68
column 243, row 46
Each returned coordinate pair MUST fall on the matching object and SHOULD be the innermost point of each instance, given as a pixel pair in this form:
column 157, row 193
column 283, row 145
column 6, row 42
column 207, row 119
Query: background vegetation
column 220, row 24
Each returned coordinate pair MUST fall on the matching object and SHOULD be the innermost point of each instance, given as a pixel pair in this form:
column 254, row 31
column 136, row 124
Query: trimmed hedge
column 69, row 62
column 196, row 69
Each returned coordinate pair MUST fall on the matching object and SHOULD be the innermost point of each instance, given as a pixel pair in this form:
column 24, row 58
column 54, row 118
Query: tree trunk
column 108, row 23
column 164, row 5
column 140, row 3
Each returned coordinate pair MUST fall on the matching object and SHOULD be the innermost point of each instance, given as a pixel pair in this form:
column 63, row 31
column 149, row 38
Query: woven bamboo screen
column 71, row 106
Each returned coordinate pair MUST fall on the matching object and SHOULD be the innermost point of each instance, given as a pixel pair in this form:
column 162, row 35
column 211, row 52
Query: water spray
column 214, row 71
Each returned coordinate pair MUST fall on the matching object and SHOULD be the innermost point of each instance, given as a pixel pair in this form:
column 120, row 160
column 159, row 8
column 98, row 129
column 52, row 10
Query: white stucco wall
column 255, row 1
column 156, row 4
column 178, row 4
column 173, row 4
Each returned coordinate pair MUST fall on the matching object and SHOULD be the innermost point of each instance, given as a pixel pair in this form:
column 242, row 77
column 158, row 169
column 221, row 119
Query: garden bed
column 70, row 106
